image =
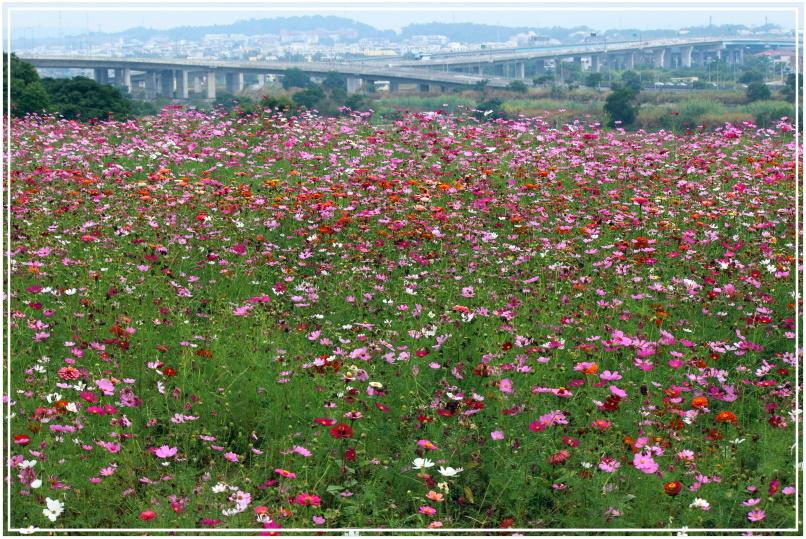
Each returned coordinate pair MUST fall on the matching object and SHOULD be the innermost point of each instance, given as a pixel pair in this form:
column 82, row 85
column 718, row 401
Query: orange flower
column 699, row 402
column 726, row 417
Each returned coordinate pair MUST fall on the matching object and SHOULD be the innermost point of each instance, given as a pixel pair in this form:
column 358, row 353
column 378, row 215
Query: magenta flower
column 232, row 457
column 426, row 510
column 497, row 435
column 426, row 444
column 505, row 385
column 286, row 473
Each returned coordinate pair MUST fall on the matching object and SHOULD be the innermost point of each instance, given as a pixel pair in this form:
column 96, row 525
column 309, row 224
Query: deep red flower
column 349, row 454
column 673, row 488
column 169, row 372
column 22, row 439
column 342, row 431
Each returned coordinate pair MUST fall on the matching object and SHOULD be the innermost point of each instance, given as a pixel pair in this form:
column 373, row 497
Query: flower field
column 252, row 322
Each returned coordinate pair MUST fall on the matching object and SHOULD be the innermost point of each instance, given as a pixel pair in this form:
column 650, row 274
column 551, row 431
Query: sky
column 46, row 18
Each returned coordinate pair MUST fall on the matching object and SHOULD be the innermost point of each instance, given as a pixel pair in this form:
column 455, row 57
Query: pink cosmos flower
column 618, row 392
column 426, row 510
column 307, row 499
column 165, row 452
column 232, row 457
column 148, row 515
column 286, row 473
column 645, row 463
column 426, row 444
column 601, row 425
column 497, row 435
column 756, row 514
column 505, row 385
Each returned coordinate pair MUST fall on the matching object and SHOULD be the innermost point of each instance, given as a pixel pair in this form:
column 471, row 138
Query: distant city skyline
column 52, row 18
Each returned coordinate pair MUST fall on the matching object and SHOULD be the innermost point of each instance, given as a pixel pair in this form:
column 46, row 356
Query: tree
column 699, row 85
column 621, row 106
column 481, row 86
column 543, row 80
column 757, row 91
column 334, row 80
column 517, row 86
column 792, row 80
column 632, row 80
column 593, row 80
column 279, row 103
column 309, row 97
column 749, row 76
column 295, row 78
column 27, row 93
column 490, row 109
column 84, row 99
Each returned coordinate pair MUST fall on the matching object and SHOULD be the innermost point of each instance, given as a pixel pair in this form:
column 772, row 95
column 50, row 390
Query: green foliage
column 309, row 97
column 295, row 78
column 481, row 86
column 543, row 80
column 758, row 91
column 793, row 80
column 632, row 80
column 333, row 81
column 517, row 86
column 27, row 93
column 280, row 103
column 592, row 80
column 84, row 99
column 699, row 85
column 749, row 76
column 621, row 106
column 765, row 113
column 490, row 109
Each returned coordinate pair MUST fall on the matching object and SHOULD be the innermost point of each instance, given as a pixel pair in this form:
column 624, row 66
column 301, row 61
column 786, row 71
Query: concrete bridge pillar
column 353, row 84
column 685, row 55
column 425, row 88
column 211, row 84
column 629, row 60
column 197, row 84
column 234, row 82
column 102, row 75
column 659, row 54
column 181, row 84
column 394, row 86
column 540, row 67
column 498, row 70
column 520, row 70
column 167, row 83
column 476, row 70
column 739, row 55
column 595, row 66
column 151, row 85
column 123, row 77
column 261, row 81
column 578, row 62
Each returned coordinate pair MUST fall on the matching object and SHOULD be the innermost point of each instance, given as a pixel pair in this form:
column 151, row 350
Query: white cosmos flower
column 55, row 508
column 29, row 530
column 36, row 483
column 419, row 464
column 450, row 472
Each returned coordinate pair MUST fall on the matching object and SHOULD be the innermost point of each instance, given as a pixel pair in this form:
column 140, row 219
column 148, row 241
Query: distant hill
column 476, row 33
column 252, row 27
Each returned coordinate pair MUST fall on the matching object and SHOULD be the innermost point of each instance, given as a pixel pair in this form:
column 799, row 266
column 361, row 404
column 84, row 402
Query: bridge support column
column 394, row 87
column 540, row 67
column 197, row 84
column 498, row 69
column 234, row 82
column 659, row 54
column 739, row 56
column 211, row 84
column 123, row 77
column 167, row 83
column 578, row 62
column 425, row 88
column 261, row 81
column 151, row 85
column 353, row 84
column 685, row 55
column 595, row 66
column 629, row 60
column 181, row 84
column 520, row 70
column 102, row 76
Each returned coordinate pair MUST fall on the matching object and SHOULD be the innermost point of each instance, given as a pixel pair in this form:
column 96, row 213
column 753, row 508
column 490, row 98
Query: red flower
column 324, row 421
column 349, row 454
column 22, row 439
column 559, row 457
column 169, row 372
column 673, row 488
column 342, row 431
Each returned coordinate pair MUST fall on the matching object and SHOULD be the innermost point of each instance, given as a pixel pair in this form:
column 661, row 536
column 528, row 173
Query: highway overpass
column 173, row 77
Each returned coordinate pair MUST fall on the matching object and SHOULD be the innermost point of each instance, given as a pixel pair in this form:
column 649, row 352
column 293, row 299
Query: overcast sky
column 114, row 16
